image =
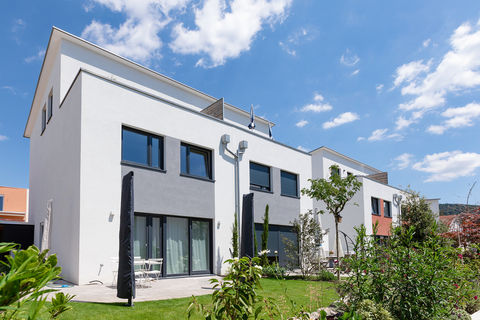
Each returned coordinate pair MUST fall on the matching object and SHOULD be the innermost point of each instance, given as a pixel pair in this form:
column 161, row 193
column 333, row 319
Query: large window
column 1, row 203
column 259, row 177
column 387, row 209
column 375, row 206
column 195, row 161
column 142, row 148
column 50, row 105
column 289, row 184
column 44, row 118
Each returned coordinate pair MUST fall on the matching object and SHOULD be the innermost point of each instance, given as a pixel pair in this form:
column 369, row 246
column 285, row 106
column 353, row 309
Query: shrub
column 23, row 278
column 459, row 315
column 325, row 275
column 412, row 280
column 369, row 310
column 235, row 297
column 274, row 271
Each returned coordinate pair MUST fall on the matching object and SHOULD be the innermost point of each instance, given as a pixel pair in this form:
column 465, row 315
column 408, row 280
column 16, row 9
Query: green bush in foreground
column 412, row 280
column 23, row 278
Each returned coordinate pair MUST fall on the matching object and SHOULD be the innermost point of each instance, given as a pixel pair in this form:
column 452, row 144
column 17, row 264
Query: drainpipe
column 242, row 146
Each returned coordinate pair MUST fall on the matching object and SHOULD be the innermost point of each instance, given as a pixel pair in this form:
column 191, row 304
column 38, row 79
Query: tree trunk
column 337, row 247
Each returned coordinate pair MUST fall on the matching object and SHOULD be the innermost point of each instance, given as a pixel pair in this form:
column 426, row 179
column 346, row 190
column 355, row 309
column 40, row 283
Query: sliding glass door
column 183, row 243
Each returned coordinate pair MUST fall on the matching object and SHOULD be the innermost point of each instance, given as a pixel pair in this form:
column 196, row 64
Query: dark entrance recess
column 276, row 236
column 20, row 233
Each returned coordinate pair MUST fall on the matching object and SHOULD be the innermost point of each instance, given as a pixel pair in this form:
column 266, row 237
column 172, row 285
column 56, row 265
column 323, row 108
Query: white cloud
column 225, row 31
column 354, row 73
column 11, row 89
column 343, row 118
column 403, row 123
column 318, row 106
column 137, row 37
column 349, row 59
column 38, row 56
column 18, row 25
column 458, row 71
column 295, row 39
column 447, row 166
column 3, row 138
column 457, row 118
column 381, row 134
column 302, row 149
column 403, row 160
column 426, row 42
column 379, row 87
column 360, row 138
column 410, row 71
column 301, row 123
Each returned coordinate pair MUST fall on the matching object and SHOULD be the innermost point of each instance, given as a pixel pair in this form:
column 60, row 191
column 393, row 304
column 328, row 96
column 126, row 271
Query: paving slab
column 161, row 289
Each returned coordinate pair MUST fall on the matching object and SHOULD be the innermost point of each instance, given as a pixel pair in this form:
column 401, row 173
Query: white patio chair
column 114, row 265
column 153, row 273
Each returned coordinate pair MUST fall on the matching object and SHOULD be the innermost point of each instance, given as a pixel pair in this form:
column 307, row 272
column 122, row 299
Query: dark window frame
column 377, row 200
column 199, row 150
column 387, row 204
column 163, row 224
column 161, row 150
column 44, row 118
column 2, row 202
column 282, row 193
column 50, row 106
column 258, row 187
column 337, row 171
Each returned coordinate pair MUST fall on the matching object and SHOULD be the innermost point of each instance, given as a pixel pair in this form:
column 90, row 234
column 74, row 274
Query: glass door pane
column 177, row 245
column 140, row 237
column 200, row 245
column 156, row 241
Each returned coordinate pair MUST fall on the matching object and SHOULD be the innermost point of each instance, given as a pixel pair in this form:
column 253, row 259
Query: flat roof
column 345, row 157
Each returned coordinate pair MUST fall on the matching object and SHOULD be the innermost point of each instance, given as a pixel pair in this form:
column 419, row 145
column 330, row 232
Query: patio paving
column 161, row 289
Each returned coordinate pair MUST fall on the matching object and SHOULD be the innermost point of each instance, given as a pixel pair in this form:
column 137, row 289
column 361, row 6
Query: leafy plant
column 369, row 310
column 59, row 304
column 416, row 213
column 334, row 192
column 265, row 237
column 235, row 297
column 411, row 279
column 274, row 271
column 325, row 275
column 23, row 279
column 304, row 252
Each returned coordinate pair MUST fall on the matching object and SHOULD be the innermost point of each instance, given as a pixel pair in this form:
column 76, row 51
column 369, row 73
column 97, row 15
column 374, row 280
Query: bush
column 325, row 275
column 459, row 315
column 369, row 310
column 412, row 280
column 274, row 271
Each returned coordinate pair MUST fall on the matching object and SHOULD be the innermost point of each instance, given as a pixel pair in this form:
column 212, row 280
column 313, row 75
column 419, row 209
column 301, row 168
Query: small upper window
column 334, row 170
column 142, row 148
column 349, row 174
column 50, row 105
column 1, row 203
column 375, row 206
column 44, row 118
column 259, row 177
column 195, row 161
column 387, row 209
column 289, row 184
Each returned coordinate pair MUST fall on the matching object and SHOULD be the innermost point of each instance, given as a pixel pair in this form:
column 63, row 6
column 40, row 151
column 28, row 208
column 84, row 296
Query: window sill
column 142, row 166
column 376, row 214
column 388, row 217
column 260, row 190
column 290, row 196
column 196, row 177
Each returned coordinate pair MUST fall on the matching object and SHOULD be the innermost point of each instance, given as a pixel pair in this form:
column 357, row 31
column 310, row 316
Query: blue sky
column 392, row 84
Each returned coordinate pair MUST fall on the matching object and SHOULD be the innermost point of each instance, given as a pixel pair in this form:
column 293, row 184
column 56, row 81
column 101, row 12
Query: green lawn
column 310, row 294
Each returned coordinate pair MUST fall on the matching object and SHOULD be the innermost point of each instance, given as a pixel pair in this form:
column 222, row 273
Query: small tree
column 334, row 192
column 235, row 238
column 304, row 252
column 416, row 213
column 265, row 237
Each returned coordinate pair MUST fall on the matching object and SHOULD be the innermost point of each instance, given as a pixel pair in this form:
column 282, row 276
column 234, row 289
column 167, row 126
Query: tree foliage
column 468, row 229
column 334, row 192
column 235, row 237
column 416, row 213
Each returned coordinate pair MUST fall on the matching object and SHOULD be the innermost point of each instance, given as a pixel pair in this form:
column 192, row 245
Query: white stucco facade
column 76, row 162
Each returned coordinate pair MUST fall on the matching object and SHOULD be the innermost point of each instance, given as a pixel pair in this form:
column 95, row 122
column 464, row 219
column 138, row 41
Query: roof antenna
column 251, row 125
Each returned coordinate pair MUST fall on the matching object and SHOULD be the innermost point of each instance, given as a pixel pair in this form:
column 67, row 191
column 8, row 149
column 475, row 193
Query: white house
column 96, row 116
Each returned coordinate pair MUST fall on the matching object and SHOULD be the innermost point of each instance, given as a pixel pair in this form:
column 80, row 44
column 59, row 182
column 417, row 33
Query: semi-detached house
column 96, row 116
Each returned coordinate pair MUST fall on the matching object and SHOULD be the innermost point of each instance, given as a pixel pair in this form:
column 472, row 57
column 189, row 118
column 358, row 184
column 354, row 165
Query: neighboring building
column 375, row 202
column 434, row 206
column 96, row 116
column 13, row 204
column 451, row 222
